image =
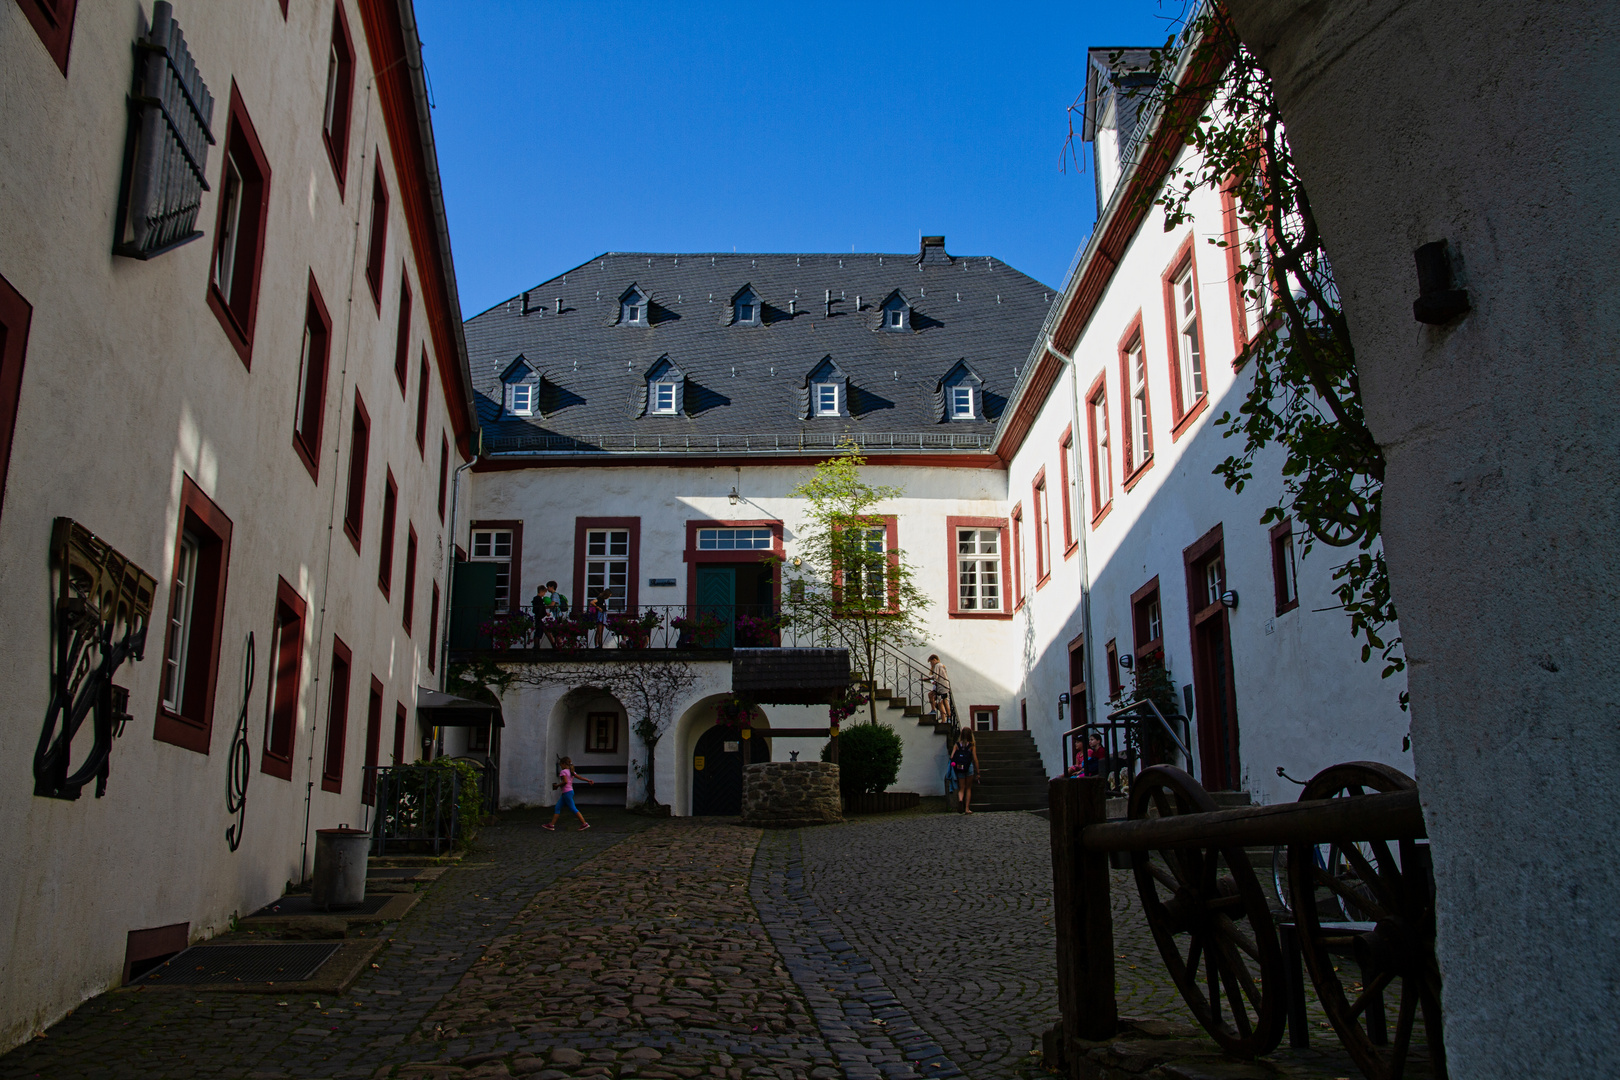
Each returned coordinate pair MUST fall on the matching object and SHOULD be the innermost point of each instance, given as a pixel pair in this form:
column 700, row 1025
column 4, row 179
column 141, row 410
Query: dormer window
column 633, row 308
column 746, row 308
column 961, row 403
column 896, row 313
column 826, row 399
column 897, row 318
column 523, row 400
column 661, row 399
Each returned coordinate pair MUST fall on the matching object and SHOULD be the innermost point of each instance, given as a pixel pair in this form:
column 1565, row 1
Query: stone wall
column 791, row 794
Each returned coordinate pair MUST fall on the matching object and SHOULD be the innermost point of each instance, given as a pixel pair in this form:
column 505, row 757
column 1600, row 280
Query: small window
column 1102, row 461
column 1186, row 338
column 424, row 387
column 385, row 558
column 401, row 722
column 747, row 309
column 374, row 714
column 1043, row 528
column 897, row 319
column 433, row 629
column 522, row 399
column 985, row 718
column 961, row 403
column 826, row 399
column 339, row 95
column 1147, row 619
column 281, row 705
column 52, row 20
column 1111, row 658
column 1018, row 555
column 633, row 309
column 495, row 545
column 377, row 249
column 194, row 621
column 734, row 539
column 1284, row 575
column 177, row 647
column 15, row 316
column 607, row 565
column 444, row 472
column 864, row 576
column 409, row 611
column 354, row 508
column 337, row 718
column 244, row 185
column 402, row 333
column 1138, row 432
column 1065, row 480
column 663, row 398
column 602, row 733
column 978, row 569
column 1213, row 575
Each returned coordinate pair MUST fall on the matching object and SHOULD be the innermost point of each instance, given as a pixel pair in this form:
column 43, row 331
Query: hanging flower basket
column 700, row 631
column 759, row 631
column 734, row 714
column 845, row 707
column 632, row 631
column 508, row 631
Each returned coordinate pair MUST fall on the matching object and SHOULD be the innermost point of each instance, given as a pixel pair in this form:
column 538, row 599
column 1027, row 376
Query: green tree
column 1306, row 395
column 847, row 585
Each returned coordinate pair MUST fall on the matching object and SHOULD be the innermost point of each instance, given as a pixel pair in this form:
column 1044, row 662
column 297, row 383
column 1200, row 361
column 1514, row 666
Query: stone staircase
column 1014, row 776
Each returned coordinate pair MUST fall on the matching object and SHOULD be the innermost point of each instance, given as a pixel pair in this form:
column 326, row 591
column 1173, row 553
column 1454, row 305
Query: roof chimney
column 932, row 250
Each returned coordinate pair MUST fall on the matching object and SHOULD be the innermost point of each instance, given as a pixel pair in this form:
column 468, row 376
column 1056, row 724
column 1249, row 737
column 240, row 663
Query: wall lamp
column 1229, row 599
column 1126, row 661
column 734, row 498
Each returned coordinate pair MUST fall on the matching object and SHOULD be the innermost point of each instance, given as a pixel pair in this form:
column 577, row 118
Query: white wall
column 130, row 383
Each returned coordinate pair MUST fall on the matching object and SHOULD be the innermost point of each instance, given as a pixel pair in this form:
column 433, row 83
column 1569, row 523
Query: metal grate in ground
column 279, row 962
column 403, row 873
column 303, row 905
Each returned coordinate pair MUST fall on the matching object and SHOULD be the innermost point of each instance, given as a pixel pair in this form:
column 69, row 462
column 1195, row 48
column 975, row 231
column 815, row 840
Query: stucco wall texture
column 1492, row 126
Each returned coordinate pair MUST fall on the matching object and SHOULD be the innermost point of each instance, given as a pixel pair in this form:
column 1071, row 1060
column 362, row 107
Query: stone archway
column 591, row 726
column 710, row 759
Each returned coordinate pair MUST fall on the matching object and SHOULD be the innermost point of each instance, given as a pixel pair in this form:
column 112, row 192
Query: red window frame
column 368, row 773
column 16, row 315
column 409, row 605
column 1066, row 479
column 377, row 244
column 995, row 717
column 1102, row 472
column 1234, row 260
column 954, row 602
column 1146, row 646
column 336, row 137
column 891, row 550
column 401, row 721
column 309, row 416
column 632, row 588
column 1017, row 517
column 433, row 629
column 52, row 20
column 444, row 471
column 1283, row 530
column 337, row 717
column 1077, row 674
column 423, row 385
column 238, row 313
column 1042, row 509
column 402, row 334
column 390, row 521
column 1134, row 336
column 285, row 679
column 1181, row 412
column 514, row 577
column 693, row 557
column 354, row 506
column 192, row 725
column 1111, row 655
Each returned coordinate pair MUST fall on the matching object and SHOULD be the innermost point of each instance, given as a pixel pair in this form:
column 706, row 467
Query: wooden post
column 1081, row 914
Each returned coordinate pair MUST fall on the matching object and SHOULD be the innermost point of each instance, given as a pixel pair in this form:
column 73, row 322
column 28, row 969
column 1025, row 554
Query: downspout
column 1089, row 643
column 450, row 571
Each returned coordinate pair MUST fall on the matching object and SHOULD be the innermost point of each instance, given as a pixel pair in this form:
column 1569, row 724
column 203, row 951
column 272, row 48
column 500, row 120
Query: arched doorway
column 717, row 769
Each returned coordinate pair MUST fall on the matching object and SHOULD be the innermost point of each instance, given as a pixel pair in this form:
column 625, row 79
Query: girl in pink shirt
column 565, row 802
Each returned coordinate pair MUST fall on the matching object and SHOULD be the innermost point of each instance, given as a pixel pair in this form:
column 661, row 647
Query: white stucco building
column 233, row 356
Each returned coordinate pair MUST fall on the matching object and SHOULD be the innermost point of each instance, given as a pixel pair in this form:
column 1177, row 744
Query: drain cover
column 303, row 905
column 241, row 963
column 406, row 873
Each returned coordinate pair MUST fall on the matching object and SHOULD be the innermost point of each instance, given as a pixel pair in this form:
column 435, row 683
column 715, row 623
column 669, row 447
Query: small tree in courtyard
column 649, row 689
column 848, row 585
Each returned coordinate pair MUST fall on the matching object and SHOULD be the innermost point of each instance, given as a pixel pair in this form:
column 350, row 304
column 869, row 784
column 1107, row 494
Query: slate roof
column 746, row 385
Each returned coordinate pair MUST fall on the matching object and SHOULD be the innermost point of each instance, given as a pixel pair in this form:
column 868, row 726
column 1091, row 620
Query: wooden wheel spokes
column 1388, row 937
column 1211, row 923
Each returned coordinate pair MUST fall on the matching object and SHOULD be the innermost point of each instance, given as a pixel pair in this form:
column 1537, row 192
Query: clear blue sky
column 569, row 129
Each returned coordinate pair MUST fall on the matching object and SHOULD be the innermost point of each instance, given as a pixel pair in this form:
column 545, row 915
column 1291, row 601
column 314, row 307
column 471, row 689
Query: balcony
column 699, row 631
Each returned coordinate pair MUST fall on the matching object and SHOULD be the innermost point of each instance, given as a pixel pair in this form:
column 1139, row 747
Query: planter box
column 884, row 802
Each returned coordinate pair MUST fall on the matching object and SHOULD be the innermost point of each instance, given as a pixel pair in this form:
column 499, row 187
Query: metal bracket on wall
column 103, row 605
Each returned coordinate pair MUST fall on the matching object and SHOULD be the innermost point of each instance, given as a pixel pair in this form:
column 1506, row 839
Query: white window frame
column 871, row 587
column 978, row 571
column 1105, row 462
column 718, row 539
column 634, row 310
column 1141, row 434
column 230, row 190
column 495, row 546
column 655, row 398
column 527, row 392
column 962, row 403
column 332, row 66
column 607, row 565
column 1290, row 579
column 748, row 310
column 181, row 599
column 818, row 399
column 1189, row 359
column 1214, row 580
column 897, row 318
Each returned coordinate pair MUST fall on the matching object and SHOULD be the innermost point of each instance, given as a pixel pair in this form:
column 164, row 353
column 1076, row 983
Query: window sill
column 375, row 284
column 307, row 456
column 384, row 586
column 338, row 158
column 1187, row 418
column 1286, row 608
column 278, row 767
column 1096, row 519
column 240, row 339
column 1147, row 649
column 181, row 731
column 981, row 614
column 334, row 786
column 1068, row 552
column 1040, row 582
column 352, row 531
column 1132, row 478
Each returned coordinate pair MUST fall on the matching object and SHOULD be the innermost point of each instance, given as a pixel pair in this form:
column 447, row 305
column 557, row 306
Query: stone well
column 791, row 794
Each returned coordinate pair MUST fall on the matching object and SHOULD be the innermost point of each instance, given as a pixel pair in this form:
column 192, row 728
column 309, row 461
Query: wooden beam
column 1081, row 915
column 1393, row 816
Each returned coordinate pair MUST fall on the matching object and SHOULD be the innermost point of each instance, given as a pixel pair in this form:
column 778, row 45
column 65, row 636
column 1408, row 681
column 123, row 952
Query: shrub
column 868, row 758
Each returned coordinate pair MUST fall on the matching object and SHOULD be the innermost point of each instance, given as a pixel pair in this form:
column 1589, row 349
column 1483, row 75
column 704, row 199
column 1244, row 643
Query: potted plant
column 701, row 631
column 759, row 631
column 735, row 713
column 508, row 631
column 633, row 631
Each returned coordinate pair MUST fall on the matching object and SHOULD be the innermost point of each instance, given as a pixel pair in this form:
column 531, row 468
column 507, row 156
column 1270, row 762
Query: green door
column 717, row 596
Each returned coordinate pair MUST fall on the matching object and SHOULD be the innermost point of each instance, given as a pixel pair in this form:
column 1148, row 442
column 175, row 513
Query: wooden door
column 1214, row 693
column 717, row 596
column 717, row 769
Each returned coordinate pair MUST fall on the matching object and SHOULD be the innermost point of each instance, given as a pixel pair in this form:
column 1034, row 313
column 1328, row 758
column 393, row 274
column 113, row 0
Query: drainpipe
column 450, row 571
column 1080, row 492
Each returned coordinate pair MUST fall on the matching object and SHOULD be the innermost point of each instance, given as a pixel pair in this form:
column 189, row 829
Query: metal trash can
column 340, row 868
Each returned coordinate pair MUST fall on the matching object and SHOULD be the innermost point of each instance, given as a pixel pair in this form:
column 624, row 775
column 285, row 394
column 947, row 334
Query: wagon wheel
column 1206, row 910
column 1366, row 927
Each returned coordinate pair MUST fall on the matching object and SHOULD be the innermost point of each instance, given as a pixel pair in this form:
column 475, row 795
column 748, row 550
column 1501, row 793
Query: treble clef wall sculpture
column 237, row 769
